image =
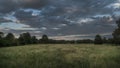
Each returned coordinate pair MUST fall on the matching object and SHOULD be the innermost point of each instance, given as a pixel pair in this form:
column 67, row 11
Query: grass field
column 60, row 56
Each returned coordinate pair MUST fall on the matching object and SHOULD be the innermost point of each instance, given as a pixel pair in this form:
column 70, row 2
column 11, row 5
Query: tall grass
column 60, row 56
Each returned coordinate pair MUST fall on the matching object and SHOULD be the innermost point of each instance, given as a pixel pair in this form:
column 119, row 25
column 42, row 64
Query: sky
column 60, row 19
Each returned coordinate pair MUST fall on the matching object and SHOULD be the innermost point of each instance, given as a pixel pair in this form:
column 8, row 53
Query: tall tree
column 25, row 38
column 44, row 39
column 10, row 37
column 21, row 40
column 10, row 40
column 34, row 40
column 118, row 23
column 1, row 34
column 1, row 39
column 105, row 40
column 98, row 40
column 116, row 33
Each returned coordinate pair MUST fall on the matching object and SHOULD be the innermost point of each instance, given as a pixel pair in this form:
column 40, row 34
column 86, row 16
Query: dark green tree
column 118, row 23
column 98, row 40
column 10, row 40
column 116, row 36
column 1, row 34
column 1, row 39
column 10, row 37
column 116, row 33
column 21, row 40
column 25, row 38
column 44, row 39
column 34, row 40
column 105, row 40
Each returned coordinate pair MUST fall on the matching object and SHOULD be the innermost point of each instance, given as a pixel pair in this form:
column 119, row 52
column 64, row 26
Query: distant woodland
column 26, row 38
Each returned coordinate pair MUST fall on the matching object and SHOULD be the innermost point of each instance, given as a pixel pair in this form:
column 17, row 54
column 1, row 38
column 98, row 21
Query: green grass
column 60, row 56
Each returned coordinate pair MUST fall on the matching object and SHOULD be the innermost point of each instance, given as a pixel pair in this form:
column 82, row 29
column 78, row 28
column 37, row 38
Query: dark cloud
column 11, row 5
column 34, row 3
column 2, row 20
column 22, row 15
column 61, row 17
column 7, row 6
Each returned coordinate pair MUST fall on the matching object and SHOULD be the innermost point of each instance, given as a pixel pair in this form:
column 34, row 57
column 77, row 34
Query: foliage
column 116, row 33
column 1, row 34
column 44, row 39
column 25, row 38
column 34, row 40
column 98, row 40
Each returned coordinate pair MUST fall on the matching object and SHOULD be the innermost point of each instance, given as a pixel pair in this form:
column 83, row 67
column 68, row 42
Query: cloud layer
column 59, row 17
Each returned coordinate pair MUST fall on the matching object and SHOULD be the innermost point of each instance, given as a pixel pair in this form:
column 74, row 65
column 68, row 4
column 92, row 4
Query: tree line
column 116, row 36
column 26, row 38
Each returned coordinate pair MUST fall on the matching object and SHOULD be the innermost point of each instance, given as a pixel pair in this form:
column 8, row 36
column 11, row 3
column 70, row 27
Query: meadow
column 60, row 56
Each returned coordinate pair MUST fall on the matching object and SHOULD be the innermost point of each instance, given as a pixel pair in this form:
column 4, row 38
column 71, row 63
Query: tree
column 98, row 40
column 1, row 39
column 116, row 33
column 118, row 23
column 34, row 40
column 1, row 34
column 10, row 37
column 44, row 39
column 105, row 40
column 10, row 40
column 25, row 38
column 21, row 40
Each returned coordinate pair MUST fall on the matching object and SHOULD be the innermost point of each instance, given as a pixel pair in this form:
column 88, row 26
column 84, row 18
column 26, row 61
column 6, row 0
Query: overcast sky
column 59, row 19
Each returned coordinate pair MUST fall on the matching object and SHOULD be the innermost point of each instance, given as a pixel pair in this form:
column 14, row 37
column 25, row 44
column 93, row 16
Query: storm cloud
column 11, row 5
column 59, row 17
